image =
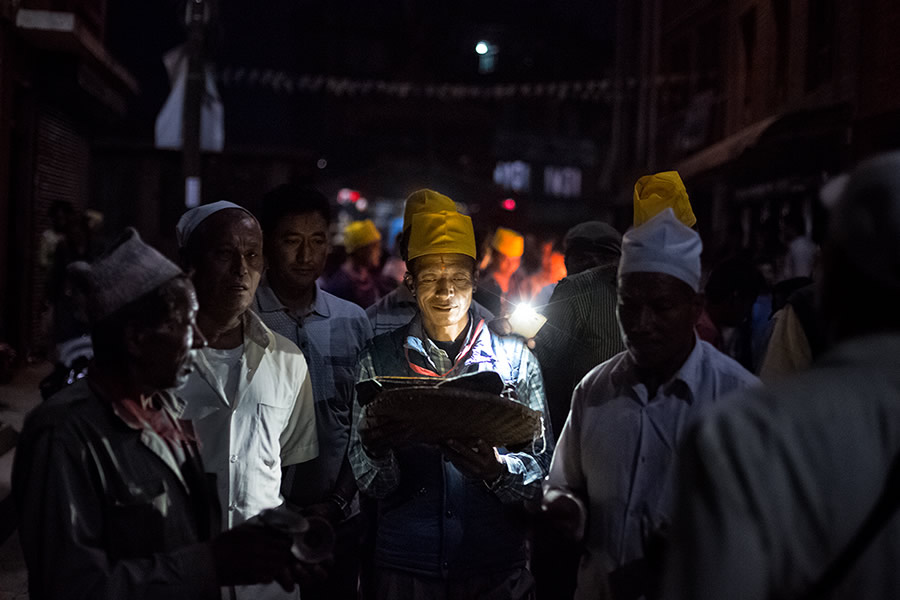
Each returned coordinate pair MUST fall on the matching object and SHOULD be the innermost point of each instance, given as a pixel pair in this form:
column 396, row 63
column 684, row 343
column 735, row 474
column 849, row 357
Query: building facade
column 758, row 102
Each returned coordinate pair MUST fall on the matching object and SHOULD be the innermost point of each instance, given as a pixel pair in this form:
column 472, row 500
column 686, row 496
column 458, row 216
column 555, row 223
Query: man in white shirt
column 615, row 454
column 251, row 396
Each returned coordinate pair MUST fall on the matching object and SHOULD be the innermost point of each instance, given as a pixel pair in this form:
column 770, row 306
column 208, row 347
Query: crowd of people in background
column 714, row 426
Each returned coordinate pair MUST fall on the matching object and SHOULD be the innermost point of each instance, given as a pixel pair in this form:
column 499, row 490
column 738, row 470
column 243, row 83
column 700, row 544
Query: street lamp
column 487, row 56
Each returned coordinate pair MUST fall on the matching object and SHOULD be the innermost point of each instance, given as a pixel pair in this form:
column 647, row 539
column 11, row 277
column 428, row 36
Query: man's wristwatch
column 342, row 504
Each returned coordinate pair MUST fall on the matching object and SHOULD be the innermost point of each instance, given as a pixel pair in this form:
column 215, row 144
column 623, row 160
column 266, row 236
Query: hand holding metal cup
column 313, row 536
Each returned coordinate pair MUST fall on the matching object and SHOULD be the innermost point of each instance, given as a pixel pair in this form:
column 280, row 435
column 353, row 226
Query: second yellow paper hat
column 655, row 193
column 508, row 242
column 360, row 233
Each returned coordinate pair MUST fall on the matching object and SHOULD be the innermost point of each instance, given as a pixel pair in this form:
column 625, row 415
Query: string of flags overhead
column 592, row 90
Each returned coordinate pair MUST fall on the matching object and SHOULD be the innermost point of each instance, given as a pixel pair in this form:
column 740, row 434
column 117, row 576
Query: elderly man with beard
column 108, row 481
column 450, row 521
column 616, row 451
column 251, row 396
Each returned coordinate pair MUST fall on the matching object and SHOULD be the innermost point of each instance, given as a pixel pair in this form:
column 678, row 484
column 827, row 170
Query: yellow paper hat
column 655, row 193
column 360, row 233
column 444, row 232
column 508, row 242
column 425, row 201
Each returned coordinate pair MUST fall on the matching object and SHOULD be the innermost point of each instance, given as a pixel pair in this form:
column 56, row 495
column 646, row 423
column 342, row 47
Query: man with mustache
column 615, row 454
column 251, row 396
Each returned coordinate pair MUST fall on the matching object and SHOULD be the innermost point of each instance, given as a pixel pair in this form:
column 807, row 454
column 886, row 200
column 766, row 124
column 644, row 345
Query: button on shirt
column 270, row 421
column 331, row 334
column 617, row 448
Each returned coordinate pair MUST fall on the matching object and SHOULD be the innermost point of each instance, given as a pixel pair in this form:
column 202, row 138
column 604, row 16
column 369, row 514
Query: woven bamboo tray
column 441, row 410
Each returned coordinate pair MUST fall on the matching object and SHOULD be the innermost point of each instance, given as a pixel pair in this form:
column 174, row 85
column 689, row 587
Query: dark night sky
column 387, row 39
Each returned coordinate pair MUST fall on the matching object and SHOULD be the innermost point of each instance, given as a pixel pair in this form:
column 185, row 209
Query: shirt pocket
column 273, row 414
column 137, row 518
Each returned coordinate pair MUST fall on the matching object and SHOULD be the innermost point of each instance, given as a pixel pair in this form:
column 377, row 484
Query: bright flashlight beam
column 524, row 309
column 526, row 321
column 481, row 48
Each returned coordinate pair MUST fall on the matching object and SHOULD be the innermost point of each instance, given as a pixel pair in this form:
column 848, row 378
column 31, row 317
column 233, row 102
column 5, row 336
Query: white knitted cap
column 190, row 220
column 663, row 245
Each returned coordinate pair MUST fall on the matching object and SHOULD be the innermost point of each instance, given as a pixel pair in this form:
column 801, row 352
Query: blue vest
column 439, row 523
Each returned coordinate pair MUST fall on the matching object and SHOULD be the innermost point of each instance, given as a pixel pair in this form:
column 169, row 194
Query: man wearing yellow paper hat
column 507, row 247
column 610, row 477
column 398, row 306
column 449, row 516
column 357, row 279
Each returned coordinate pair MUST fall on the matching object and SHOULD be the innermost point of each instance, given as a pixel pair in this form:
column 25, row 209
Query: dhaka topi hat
column 128, row 270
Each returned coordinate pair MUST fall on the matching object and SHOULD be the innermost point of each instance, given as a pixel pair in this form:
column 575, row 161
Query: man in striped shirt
column 581, row 330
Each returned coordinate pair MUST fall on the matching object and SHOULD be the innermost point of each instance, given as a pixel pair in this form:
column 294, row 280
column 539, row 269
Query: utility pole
column 197, row 19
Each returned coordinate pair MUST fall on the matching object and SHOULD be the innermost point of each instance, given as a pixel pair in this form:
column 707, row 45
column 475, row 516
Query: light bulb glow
column 482, row 47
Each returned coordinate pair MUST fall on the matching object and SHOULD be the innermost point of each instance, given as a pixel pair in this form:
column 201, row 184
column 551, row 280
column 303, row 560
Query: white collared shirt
column 246, row 437
column 617, row 449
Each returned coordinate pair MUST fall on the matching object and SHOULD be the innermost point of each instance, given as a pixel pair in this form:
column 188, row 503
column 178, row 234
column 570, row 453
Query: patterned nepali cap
column 127, row 271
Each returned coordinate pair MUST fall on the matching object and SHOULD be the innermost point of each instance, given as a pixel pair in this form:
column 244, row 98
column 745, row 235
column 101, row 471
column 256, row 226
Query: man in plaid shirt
column 450, row 518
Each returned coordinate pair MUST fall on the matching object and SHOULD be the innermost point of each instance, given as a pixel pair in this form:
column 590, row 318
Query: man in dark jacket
column 107, row 480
